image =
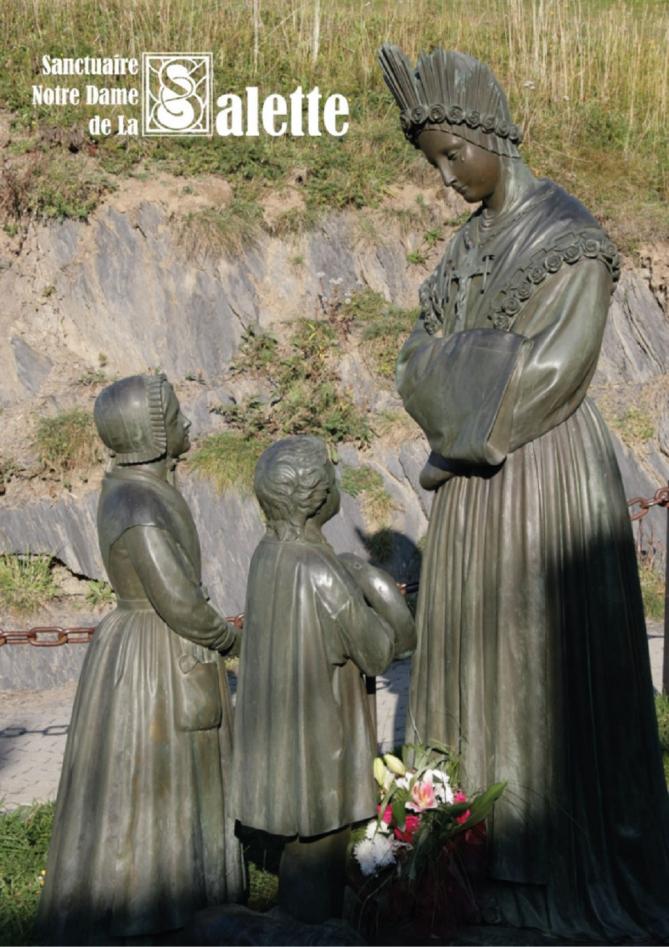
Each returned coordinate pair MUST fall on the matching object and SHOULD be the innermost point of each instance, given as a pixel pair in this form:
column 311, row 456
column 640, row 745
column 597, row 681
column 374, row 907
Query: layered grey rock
column 128, row 288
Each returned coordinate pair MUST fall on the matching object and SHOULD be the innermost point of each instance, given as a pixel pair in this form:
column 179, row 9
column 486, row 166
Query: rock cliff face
column 129, row 291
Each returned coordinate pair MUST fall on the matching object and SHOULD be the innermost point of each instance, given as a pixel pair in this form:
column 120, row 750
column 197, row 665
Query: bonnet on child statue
column 453, row 92
column 130, row 418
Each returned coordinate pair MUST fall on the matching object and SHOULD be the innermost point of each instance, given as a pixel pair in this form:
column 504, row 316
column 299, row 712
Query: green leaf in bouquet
column 416, row 755
column 481, row 806
column 441, row 748
column 399, row 813
column 454, row 809
column 423, row 846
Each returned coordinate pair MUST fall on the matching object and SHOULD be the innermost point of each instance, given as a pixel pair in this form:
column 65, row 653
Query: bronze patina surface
column 142, row 835
column 303, row 729
column 532, row 658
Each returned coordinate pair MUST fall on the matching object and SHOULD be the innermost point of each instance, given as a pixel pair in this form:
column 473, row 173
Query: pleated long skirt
column 141, row 836
column 532, row 662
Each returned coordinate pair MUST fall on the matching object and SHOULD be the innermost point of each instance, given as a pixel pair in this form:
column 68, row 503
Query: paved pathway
column 33, row 729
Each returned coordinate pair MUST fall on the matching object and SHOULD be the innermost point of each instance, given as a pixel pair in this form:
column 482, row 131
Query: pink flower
column 422, row 796
column 387, row 816
column 411, row 824
column 460, row 796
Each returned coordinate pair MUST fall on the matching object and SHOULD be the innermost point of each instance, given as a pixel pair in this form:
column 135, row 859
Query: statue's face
column 177, row 425
column 471, row 171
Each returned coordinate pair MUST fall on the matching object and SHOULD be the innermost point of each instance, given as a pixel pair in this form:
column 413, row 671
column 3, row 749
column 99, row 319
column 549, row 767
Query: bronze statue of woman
column 142, row 838
column 532, row 658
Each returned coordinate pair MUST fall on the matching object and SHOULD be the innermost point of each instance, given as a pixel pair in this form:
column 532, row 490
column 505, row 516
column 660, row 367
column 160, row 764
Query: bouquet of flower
column 428, row 838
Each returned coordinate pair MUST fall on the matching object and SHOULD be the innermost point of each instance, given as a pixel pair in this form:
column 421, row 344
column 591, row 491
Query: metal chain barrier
column 46, row 636
column 661, row 498
column 53, row 636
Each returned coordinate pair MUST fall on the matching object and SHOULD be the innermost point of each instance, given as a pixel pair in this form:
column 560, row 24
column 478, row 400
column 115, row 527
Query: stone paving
column 33, row 729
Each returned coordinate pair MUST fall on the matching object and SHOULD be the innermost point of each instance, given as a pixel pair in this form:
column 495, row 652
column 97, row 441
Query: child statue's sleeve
column 166, row 577
column 362, row 635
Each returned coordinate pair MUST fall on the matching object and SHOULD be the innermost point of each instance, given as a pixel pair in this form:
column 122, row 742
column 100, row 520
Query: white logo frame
column 195, row 69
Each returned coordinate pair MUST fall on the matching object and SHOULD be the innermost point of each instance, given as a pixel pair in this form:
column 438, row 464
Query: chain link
column 46, row 636
column 661, row 498
column 52, row 636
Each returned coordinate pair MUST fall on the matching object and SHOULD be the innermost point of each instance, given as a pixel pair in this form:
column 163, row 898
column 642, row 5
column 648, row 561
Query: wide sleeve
column 179, row 600
column 481, row 393
column 362, row 635
column 564, row 324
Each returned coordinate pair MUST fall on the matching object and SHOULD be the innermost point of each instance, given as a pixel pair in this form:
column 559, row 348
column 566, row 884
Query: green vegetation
column 26, row 582
column 92, row 377
column 376, row 504
column 360, row 480
column 367, row 484
column 257, row 352
column 662, row 710
column 68, row 442
column 383, row 327
column 53, row 185
column 231, row 229
column 24, row 840
column 8, row 470
column 587, row 79
column 263, row 888
column 99, row 593
column 634, row 427
column 301, row 391
column 304, row 399
column 228, row 459
column 652, row 590
column 419, row 256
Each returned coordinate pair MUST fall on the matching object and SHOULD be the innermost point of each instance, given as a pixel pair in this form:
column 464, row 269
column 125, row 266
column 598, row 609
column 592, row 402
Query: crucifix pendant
column 470, row 267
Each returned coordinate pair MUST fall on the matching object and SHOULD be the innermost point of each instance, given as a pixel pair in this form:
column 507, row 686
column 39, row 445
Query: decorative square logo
column 177, row 93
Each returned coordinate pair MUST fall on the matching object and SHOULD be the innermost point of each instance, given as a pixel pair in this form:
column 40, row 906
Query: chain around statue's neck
column 520, row 182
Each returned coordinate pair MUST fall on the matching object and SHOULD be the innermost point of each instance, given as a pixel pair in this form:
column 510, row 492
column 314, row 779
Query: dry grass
column 588, row 80
column 68, row 442
column 367, row 485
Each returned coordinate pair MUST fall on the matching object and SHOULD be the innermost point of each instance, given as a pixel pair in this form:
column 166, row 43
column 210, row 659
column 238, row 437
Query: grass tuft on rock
column 634, row 426
column 231, row 229
column 367, row 484
column 26, row 582
column 383, row 327
column 228, row 459
column 99, row 593
column 301, row 395
column 68, row 442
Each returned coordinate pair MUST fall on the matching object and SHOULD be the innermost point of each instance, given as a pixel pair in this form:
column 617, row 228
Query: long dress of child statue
column 532, row 657
column 303, row 729
column 141, row 837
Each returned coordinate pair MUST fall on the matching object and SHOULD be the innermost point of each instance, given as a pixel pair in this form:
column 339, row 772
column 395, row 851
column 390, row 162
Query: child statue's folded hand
column 382, row 594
